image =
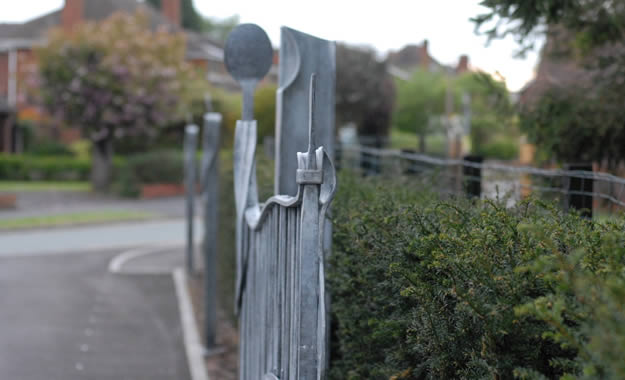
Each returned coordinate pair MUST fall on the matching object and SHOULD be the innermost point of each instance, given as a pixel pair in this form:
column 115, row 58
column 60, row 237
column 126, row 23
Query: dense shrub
column 431, row 288
column 156, row 167
column 501, row 149
column 49, row 147
column 51, row 168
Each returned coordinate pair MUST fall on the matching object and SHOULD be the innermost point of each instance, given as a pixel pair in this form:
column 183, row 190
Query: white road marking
column 192, row 341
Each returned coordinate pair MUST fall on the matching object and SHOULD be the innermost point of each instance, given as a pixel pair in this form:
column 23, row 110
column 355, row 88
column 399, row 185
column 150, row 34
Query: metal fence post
column 210, row 188
column 473, row 177
column 301, row 55
column 579, row 190
column 190, row 146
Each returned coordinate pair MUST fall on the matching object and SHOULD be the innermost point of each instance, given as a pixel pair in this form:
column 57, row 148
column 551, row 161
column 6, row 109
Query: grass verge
column 73, row 219
column 29, row 186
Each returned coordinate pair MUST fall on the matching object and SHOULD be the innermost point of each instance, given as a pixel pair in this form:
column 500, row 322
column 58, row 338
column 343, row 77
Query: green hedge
column 149, row 168
column 429, row 288
column 501, row 149
column 44, row 168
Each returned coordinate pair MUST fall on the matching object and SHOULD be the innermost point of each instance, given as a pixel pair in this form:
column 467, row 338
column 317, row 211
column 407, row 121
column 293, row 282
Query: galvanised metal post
column 210, row 187
column 190, row 147
column 281, row 297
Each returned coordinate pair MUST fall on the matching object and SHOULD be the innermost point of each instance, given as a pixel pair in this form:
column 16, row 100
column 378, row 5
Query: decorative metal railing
column 280, row 264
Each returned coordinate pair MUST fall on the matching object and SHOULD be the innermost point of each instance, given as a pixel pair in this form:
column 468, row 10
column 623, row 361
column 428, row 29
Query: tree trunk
column 422, row 142
column 102, row 165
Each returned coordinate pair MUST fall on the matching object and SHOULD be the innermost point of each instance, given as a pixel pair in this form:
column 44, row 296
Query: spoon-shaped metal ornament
column 248, row 58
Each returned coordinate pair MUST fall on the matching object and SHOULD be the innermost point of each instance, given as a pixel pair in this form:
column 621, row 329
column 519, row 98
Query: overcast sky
column 385, row 25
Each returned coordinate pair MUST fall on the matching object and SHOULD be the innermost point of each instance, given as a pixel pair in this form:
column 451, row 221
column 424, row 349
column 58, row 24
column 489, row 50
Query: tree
column 112, row 86
column 580, row 117
column 218, row 29
column 595, row 22
column 422, row 100
column 419, row 101
column 191, row 19
column 492, row 113
column 365, row 92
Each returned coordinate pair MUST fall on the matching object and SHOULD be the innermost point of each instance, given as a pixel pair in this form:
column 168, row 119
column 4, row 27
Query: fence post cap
column 192, row 129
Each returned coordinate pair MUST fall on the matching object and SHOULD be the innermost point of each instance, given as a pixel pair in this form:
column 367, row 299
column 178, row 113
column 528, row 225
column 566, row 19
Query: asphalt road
column 65, row 317
column 88, row 238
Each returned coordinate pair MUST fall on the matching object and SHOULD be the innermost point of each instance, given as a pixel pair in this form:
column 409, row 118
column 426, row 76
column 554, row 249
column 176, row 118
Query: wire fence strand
column 604, row 190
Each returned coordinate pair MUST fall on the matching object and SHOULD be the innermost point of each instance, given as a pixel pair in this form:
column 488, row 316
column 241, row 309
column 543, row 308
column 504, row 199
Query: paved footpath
column 64, row 316
column 88, row 238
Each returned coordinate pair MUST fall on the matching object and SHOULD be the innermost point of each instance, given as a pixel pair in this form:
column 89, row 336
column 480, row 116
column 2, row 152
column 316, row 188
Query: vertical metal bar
column 191, row 132
column 285, row 278
column 243, row 341
column 210, row 187
column 253, row 256
column 262, row 300
column 269, row 293
column 275, row 313
column 292, row 289
column 309, row 283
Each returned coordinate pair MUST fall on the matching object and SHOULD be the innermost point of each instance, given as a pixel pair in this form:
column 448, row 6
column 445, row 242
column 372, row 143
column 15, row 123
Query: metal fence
column 280, row 265
column 582, row 189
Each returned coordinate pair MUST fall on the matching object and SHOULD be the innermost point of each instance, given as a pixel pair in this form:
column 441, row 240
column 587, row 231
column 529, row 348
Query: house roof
column 412, row 56
column 31, row 32
column 6, row 29
column 558, row 68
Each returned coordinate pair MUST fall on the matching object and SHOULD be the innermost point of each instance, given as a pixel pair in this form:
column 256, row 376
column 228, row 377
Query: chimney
column 72, row 13
column 463, row 64
column 424, row 55
column 172, row 11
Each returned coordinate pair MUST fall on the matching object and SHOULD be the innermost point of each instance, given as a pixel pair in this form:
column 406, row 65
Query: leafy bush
column 501, row 149
column 50, row 148
column 431, row 288
column 149, row 168
column 51, row 168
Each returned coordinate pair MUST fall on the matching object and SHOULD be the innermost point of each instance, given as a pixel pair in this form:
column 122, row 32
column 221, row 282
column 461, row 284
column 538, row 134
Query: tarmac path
column 65, row 316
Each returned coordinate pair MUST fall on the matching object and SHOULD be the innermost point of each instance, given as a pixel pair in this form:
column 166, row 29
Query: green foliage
column 582, row 117
column 428, row 288
column 571, row 126
column 418, row 101
column 81, row 148
column 112, row 86
column 420, row 106
column 595, row 22
column 219, row 29
column 89, row 79
column 229, row 105
column 365, row 91
column 47, row 147
column 265, row 110
column 500, row 149
column 192, row 20
column 158, row 167
column 49, row 168
column 493, row 117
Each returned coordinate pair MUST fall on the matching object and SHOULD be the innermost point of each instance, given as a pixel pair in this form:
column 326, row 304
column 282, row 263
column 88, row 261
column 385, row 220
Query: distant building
column 405, row 61
column 18, row 40
column 557, row 68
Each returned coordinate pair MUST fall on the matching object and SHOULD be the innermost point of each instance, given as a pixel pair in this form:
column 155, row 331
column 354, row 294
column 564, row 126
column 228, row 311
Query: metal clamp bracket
column 309, row 177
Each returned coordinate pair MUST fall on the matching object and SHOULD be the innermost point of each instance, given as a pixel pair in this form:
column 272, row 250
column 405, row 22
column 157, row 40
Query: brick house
column 17, row 41
column 411, row 57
